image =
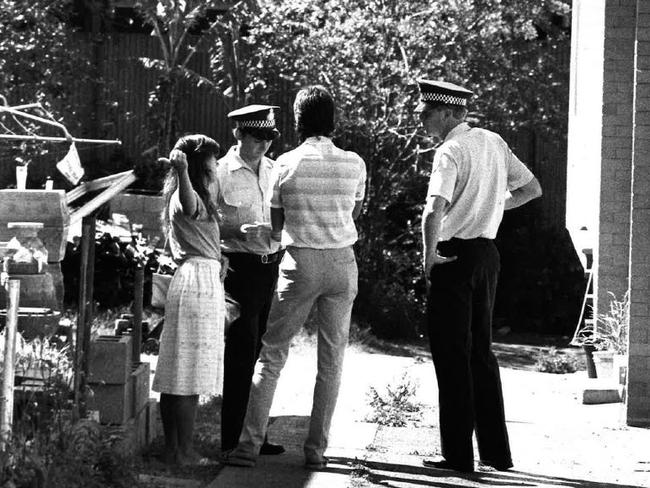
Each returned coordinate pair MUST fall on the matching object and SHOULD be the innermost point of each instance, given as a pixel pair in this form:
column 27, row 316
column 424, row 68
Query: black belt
column 262, row 258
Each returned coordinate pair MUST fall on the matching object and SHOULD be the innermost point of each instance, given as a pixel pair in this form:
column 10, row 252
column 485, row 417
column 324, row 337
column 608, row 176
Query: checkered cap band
column 256, row 124
column 448, row 99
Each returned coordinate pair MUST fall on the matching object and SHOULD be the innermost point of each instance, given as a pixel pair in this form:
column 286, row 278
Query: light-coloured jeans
column 329, row 279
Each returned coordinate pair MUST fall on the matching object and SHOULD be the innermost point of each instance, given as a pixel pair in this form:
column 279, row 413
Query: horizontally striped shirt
column 317, row 185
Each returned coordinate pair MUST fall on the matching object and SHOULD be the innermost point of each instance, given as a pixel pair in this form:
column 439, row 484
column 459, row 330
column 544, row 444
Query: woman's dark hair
column 198, row 149
column 313, row 111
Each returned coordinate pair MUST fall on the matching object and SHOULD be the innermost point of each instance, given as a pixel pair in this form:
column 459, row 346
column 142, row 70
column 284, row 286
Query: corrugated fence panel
column 129, row 85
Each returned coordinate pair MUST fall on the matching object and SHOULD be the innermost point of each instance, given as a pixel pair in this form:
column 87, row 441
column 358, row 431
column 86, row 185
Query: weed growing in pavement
column 610, row 331
column 398, row 407
column 553, row 361
column 360, row 475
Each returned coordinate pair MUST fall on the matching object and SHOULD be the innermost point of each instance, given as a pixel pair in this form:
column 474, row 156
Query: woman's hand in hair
column 178, row 160
column 186, row 193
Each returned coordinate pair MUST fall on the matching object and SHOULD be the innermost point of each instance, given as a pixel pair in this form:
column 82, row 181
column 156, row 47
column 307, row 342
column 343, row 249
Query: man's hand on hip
column 435, row 260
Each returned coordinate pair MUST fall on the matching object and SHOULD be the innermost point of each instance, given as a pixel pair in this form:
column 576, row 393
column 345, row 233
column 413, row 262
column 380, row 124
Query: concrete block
column 140, row 378
column 124, row 438
column 36, row 290
column 154, row 422
column 147, row 424
column 140, row 425
column 595, row 391
column 109, row 360
column 114, row 402
column 137, row 432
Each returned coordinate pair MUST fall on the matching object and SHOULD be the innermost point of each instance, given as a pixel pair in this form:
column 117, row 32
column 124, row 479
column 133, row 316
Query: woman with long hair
column 190, row 361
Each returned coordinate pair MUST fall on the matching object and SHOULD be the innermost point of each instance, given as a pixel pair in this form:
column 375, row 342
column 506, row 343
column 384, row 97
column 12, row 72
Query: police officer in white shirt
column 243, row 177
column 475, row 177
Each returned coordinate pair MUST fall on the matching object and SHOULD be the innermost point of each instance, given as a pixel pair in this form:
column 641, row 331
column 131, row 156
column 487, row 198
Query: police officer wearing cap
column 475, row 177
column 243, row 176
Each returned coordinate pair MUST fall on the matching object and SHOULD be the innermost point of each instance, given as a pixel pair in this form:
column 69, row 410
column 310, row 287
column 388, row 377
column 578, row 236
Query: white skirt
column 190, row 361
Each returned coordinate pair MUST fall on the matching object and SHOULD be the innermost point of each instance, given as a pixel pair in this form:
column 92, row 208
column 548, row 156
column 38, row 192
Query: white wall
column 585, row 122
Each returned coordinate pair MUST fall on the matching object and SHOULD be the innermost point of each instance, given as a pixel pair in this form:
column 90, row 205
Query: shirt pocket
column 239, row 201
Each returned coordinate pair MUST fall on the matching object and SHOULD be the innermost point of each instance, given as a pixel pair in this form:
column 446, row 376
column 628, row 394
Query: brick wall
column 638, row 405
column 616, row 154
column 616, row 62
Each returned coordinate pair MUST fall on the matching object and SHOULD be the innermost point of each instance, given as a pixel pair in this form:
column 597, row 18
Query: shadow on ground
column 515, row 350
column 373, row 473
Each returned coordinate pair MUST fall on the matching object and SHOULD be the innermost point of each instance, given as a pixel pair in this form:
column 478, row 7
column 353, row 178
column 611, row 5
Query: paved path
column 556, row 440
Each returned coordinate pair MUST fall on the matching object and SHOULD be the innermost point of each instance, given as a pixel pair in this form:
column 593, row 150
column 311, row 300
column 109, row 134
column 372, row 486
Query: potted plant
column 608, row 336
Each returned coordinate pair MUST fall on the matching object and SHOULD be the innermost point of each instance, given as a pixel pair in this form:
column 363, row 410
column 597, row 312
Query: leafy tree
column 370, row 54
column 41, row 61
column 183, row 29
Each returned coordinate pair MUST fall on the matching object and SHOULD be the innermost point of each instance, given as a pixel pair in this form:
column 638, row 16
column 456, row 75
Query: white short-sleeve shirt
column 242, row 198
column 473, row 170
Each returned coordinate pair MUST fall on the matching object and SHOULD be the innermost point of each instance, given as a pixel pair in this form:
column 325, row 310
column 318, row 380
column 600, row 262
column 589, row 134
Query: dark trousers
column 251, row 283
column 459, row 315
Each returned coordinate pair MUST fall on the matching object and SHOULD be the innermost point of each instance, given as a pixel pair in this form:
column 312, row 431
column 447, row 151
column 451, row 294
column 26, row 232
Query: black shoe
column 502, row 466
column 269, row 449
column 444, row 464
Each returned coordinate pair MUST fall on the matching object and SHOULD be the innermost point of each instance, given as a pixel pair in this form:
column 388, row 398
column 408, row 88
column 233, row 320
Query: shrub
column 555, row 362
column 47, row 447
column 41, row 60
column 611, row 330
column 370, row 55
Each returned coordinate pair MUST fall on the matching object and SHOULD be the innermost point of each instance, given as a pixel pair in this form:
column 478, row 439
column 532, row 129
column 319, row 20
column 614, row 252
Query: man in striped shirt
column 318, row 191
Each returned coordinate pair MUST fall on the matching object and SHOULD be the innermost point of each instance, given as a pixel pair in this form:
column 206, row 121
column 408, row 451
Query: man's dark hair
column 313, row 111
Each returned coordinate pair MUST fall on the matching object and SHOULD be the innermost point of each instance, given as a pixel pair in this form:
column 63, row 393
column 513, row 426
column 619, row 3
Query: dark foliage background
column 42, row 61
column 370, row 54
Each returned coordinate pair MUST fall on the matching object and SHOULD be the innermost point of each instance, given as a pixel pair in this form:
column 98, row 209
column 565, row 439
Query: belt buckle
column 264, row 258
